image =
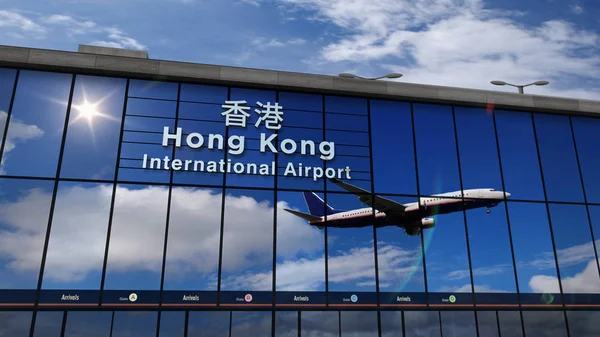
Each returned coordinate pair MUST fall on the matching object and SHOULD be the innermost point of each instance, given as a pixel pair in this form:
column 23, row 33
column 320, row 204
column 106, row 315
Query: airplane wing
column 379, row 203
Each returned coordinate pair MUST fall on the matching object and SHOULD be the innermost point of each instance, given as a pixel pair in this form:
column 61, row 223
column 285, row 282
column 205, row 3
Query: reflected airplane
column 387, row 212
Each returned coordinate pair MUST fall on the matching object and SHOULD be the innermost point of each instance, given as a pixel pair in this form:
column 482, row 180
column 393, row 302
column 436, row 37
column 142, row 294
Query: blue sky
column 464, row 43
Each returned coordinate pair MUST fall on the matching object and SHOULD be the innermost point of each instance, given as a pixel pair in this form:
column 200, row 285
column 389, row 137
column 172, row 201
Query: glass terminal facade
column 138, row 208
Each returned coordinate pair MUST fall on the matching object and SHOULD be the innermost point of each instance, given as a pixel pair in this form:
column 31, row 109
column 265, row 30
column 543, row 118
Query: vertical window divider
column 223, row 191
column 325, row 192
column 422, row 235
column 113, row 196
column 274, row 252
column 510, row 236
column 9, row 113
column 374, row 219
column 52, row 204
column 562, row 296
column 464, row 212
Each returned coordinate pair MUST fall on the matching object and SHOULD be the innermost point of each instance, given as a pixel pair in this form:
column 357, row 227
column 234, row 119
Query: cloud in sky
column 22, row 25
column 459, row 43
column 18, row 132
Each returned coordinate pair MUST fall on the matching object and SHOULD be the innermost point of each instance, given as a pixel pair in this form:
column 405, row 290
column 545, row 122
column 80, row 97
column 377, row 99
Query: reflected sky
column 468, row 147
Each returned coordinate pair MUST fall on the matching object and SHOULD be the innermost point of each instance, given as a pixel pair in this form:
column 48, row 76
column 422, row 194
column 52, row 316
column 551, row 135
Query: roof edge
column 140, row 67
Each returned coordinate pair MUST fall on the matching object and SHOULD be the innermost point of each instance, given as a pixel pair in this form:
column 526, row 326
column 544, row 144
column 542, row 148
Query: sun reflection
column 87, row 110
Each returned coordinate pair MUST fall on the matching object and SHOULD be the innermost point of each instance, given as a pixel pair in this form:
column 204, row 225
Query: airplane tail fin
column 316, row 206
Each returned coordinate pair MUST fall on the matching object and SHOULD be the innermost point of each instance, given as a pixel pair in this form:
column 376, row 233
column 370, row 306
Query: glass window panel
column 446, row 256
column 344, row 122
column 422, row 323
column 400, row 254
column 153, row 89
column 536, row 268
column 587, row 137
column 595, row 220
column 559, row 163
column 134, row 324
column 300, row 246
column 584, row 323
column 544, row 323
column 391, row 323
column 165, row 110
column 359, row 323
column 15, row 323
column 437, row 173
column 7, row 81
column 297, row 170
column 137, row 238
column 320, row 324
column 208, row 323
column 201, row 112
column 510, row 323
column 249, row 175
column 574, row 248
column 88, row 323
column 303, row 119
column 48, row 324
column 248, row 323
column 393, row 166
column 203, row 93
column 24, row 211
column 94, row 128
column 491, row 256
column 193, row 243
column 248, row 240
column 172, row 324
column 286, row 324
column 351, row 259
column 78, row 236
column 458, row 323
column 348, row 105
column 36, row 126
column 301, row 101
column 487, row 324
column 518, row 153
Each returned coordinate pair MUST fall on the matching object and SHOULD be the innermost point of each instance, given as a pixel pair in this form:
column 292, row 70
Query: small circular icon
column 452, row 298
column 248, row 298
column 354, row 298
column 133, row 297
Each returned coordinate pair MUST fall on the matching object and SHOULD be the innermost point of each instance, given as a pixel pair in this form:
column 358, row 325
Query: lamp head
column 347, row 75
column 541, row 82
column 394, row 75
column 498, row 82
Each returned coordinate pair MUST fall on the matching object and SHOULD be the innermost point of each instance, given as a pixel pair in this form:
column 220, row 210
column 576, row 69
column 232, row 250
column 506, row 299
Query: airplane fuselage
column 413, row 214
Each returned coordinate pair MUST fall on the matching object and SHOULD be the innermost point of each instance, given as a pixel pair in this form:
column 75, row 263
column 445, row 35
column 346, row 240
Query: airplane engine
column 428, row 222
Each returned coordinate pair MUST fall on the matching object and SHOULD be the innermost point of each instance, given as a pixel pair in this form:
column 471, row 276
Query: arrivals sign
column 236, row 114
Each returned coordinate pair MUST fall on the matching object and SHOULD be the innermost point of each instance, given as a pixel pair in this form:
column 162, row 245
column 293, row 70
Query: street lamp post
column 520, row 87
column 349, row 75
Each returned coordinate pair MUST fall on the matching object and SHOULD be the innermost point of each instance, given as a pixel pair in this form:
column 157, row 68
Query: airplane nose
column 507, row 194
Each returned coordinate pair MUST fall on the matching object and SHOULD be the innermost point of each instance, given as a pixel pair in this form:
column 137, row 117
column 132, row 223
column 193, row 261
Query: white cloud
column 586, row 281
column 23, row 25
column 460, row 43
column 576, row 8
column 482, row 271
column 18, row 132
column 467, row 289
column 15, row 20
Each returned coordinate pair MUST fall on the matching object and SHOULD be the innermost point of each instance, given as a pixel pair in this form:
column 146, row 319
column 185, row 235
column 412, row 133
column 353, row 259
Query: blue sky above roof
column 464, row 43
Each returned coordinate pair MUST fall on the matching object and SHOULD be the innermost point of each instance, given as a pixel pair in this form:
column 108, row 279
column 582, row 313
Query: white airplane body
column 385, row 212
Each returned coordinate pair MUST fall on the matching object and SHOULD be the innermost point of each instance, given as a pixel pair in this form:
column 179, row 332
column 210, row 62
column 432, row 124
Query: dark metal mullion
column 403, row 320
column 274, row 271
column 325, row 227
column 440, row 322
column 9, row 114
column 375, row 255
column 414, row 135
column 299, row 315
column 462, row 196
column 230, row 312
column 52, row 206
column 223, row 191
column 112, row 319
column 167, row 219
column 339, row 323
column 587, row 207
column 64, row 324
column 510, row 237
column 113, row 197
column 562, row 297
column 498, row 319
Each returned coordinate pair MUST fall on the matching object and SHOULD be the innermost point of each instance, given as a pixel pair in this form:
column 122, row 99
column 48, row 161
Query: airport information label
column 236, row 116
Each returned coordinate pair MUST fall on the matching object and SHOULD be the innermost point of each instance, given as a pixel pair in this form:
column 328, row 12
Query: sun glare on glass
column 87, row 110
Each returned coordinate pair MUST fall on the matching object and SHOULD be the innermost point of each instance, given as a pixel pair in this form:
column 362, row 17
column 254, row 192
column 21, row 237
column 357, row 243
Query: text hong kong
column 236, row 115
